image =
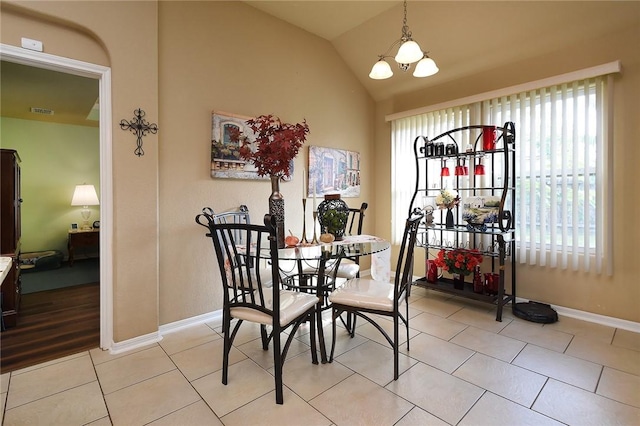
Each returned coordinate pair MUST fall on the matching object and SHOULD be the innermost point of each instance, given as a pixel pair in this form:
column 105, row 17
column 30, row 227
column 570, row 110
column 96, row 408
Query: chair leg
column 334, row 315
column 406, row 319
column 353, row 318
column 264, row 336
column 396, row 330
column 277, row 365
column 226, row 333
column 314, row 348
column 350, row 323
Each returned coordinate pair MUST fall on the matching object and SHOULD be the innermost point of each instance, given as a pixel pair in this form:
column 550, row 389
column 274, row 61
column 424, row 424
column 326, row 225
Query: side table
column 90, row 238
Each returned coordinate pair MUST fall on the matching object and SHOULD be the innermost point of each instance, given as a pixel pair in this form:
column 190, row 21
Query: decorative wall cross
column 140, row 127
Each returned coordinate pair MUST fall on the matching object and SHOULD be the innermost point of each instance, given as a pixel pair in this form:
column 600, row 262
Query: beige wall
column 617, row 296
column 241, row 61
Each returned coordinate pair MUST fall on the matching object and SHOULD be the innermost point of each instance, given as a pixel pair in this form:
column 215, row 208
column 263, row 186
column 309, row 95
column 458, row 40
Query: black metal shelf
column 495, row 241
column 445, row 285
column 463, row 228
column 464, row 154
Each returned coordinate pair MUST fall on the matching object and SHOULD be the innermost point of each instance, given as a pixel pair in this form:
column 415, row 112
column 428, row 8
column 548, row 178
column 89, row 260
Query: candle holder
column 315, row 238
column 304, row 222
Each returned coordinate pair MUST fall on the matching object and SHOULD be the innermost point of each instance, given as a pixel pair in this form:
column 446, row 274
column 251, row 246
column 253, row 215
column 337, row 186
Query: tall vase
column 276, row 208
column 449, row 220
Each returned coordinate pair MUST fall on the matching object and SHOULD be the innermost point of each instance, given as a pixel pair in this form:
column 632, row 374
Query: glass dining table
column 311, row 267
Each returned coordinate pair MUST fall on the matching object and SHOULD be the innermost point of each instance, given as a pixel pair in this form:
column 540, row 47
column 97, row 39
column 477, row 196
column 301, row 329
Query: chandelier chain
column 406, row 34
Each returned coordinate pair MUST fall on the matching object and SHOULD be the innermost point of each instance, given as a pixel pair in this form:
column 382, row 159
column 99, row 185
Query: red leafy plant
column 458, row 261
column 276, row 144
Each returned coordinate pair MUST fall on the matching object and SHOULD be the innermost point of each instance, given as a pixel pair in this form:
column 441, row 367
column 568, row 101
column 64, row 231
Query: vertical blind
column 561, row 145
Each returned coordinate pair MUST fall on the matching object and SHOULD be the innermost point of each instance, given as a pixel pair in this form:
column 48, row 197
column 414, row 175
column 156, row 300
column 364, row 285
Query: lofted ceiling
column 465, row 38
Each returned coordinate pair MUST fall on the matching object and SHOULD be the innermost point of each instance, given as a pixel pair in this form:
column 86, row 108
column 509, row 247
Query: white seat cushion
column 292, row 305
column 348, row 270
column 365, row 293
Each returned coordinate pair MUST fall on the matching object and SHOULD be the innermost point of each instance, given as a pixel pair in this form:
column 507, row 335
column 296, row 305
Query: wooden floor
column 52, row 324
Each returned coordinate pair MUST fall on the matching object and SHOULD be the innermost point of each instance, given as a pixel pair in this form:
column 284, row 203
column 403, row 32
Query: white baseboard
column 151, row 338
column 135, row 343
column 190, row 322
column 598, row 319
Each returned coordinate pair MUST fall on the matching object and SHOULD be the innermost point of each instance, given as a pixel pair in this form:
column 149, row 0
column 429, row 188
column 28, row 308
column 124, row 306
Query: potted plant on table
column 334, row 221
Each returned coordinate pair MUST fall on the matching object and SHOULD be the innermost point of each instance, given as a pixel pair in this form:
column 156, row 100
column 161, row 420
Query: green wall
column 55, row 158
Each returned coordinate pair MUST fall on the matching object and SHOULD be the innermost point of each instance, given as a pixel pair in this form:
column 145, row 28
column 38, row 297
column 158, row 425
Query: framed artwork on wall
column 333, row 171
column 225, row 153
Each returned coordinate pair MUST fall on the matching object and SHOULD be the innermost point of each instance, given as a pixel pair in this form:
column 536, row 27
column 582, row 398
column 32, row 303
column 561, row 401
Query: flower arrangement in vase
column 459, row 262
column 276, row 145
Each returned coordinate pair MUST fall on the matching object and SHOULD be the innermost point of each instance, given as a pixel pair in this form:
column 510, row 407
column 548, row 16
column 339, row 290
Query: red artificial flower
column 458, row 261
column 276, row 144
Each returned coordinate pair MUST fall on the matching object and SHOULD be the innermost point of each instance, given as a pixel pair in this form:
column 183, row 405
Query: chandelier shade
column 381, row 70
column 425, row 67
column 408, row 53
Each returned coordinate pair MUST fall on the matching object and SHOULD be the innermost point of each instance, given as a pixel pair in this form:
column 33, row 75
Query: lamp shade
column 425, row 67
column 381, row 70
column 85, row 195
column 409, row 53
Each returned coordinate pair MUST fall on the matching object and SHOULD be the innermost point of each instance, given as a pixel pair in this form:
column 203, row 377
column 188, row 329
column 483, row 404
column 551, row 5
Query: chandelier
column 408, row 53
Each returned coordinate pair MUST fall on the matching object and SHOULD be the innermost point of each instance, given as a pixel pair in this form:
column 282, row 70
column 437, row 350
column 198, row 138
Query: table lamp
column 85, row 196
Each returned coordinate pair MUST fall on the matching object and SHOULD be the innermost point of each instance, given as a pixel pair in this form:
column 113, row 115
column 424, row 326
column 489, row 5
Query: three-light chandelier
column 408, row 53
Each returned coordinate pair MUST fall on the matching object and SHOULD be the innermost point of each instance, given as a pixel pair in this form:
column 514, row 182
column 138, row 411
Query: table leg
column 320, row 294
column 323, row 348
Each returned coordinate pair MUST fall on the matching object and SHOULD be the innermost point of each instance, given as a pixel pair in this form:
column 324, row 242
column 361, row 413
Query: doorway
column 103, row 75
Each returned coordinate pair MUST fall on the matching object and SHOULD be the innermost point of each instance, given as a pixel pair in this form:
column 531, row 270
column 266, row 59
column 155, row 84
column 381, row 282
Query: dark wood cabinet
column 10, row 232
column 85, row 239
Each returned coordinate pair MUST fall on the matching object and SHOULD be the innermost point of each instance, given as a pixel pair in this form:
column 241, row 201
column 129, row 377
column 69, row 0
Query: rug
column 83, row 271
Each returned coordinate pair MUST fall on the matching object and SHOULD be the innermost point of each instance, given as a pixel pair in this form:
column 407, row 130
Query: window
column 561, row 162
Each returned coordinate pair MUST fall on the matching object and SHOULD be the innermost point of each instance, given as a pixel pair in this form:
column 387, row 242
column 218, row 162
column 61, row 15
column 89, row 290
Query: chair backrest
column 234, row 216
column 356, row 217
column 404, row 268
column 240, row 263
column 240, row 216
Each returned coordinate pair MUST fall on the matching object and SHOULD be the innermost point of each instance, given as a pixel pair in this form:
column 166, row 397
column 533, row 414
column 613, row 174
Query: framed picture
column 225, row 153
column 333, row 171
column 481, row 209
column 74, row 226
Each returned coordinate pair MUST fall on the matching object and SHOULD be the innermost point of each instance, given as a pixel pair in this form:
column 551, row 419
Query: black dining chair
column 365, row 298
column 350, row 266
column 246, row 298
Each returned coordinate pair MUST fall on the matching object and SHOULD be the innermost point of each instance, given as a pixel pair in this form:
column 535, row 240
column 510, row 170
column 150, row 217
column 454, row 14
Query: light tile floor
column 464, row 368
